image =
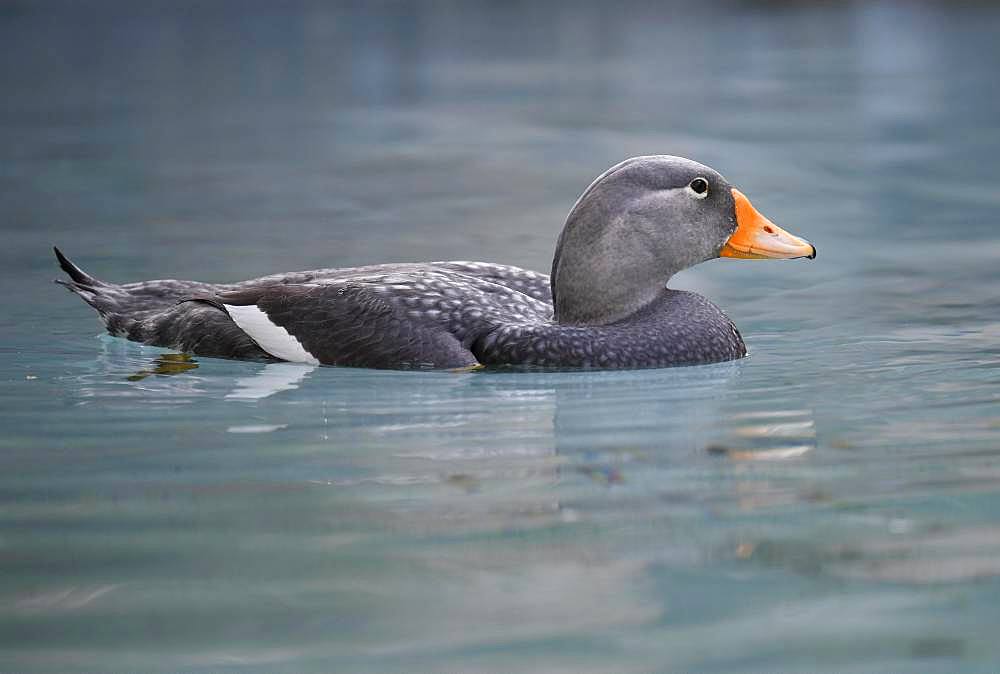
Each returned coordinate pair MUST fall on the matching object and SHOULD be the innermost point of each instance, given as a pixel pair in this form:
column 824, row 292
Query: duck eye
column 700, row 187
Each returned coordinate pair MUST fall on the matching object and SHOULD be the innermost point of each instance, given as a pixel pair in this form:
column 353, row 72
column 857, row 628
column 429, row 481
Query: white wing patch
column 269, row 336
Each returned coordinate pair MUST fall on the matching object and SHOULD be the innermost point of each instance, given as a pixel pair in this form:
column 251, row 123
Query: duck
column 606, row 303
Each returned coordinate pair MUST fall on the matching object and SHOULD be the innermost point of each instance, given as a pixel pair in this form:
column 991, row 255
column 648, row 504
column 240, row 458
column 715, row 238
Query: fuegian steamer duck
column 606, row 303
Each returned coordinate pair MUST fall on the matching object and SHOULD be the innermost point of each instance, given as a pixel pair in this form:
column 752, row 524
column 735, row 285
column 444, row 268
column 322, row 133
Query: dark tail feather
column 79, row 276
column 102, row 296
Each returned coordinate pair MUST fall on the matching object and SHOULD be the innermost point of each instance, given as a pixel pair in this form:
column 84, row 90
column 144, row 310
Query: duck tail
column 79, row 276
column 102, row 296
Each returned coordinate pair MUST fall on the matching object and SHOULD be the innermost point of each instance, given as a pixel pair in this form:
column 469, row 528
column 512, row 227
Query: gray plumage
column 605, row 305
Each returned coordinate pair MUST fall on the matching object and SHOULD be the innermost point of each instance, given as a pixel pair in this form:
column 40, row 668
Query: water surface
column 829, row 504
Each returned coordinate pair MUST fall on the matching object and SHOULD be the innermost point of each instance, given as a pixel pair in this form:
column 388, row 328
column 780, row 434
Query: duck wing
column 384, row 316
column 530, row 283
column 341, row 322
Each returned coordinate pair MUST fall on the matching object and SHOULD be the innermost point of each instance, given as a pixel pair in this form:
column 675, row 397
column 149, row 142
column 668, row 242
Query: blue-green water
column 831, row 504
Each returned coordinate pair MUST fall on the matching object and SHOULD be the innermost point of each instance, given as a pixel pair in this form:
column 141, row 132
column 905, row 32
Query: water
column 827, row 505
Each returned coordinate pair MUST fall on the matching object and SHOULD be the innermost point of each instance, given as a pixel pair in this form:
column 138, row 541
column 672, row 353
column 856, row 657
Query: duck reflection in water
column 602, row 419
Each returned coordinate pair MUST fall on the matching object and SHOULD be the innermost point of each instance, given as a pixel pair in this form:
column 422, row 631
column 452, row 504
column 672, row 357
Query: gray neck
column 601, row 275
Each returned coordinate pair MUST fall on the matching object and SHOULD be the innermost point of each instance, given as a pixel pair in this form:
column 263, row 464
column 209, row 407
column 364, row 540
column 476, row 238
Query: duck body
column 597, row 310
column 434, row 315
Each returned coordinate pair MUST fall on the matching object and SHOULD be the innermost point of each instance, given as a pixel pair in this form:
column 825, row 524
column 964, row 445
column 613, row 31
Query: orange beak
column 757, row 238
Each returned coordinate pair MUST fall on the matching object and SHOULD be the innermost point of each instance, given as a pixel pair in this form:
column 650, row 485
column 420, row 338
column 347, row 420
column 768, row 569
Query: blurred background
column 827, row 505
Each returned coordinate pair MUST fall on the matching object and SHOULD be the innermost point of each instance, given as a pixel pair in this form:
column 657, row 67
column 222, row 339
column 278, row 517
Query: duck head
column 643, row 221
